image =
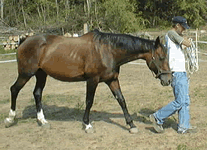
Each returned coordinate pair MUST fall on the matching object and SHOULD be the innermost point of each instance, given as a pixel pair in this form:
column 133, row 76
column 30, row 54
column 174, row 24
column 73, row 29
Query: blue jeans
column 181, row 103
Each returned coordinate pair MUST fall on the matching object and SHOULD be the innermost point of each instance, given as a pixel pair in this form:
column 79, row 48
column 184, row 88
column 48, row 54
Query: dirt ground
column 64, row 105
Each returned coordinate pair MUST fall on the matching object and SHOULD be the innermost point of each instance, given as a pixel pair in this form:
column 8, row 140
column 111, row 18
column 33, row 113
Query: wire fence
column 7, row 61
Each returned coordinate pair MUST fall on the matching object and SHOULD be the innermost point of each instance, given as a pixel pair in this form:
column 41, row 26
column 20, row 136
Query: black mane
column 124, row 41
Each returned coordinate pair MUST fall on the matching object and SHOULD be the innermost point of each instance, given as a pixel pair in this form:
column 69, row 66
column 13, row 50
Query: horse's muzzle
column 165, row 79
column 164, row 83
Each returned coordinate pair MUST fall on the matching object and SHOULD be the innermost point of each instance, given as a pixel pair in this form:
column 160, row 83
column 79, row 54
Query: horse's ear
column 157, row 42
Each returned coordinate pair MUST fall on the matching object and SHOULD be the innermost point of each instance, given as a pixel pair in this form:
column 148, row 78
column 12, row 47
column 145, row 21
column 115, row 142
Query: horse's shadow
column 57, row 113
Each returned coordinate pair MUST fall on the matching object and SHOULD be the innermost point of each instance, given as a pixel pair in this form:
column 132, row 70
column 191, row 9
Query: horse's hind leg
column 15, row 88
column 40, row 84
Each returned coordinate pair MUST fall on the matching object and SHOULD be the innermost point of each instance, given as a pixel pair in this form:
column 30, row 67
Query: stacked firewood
column 13, row 41
column 70, row 35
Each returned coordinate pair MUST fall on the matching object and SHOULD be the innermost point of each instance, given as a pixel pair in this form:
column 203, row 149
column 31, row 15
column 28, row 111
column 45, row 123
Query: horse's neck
column 140, row 51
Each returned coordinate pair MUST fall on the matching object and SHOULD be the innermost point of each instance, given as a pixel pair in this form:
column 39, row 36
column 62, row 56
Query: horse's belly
column 64, row 72
column 68, row 79
column 66, row 76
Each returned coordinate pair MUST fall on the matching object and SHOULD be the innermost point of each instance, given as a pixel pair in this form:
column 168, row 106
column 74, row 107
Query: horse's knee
column 14, row 89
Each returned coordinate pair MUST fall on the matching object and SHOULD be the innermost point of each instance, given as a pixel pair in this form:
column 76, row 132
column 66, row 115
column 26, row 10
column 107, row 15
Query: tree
column 194, row 10
column 119, row 15
column 109, row 15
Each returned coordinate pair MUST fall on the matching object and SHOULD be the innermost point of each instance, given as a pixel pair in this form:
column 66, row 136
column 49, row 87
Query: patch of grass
column 59, row 99
column 79, row 106
column 4, row 101
column 181, row 147
column 200, row 92
column 71, row 100
column 202, row 45
column 7, row 57
column 27, row 120
column 3, row 116
column 2, row 51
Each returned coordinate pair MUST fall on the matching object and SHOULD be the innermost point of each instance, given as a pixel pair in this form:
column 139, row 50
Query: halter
column 160, row 71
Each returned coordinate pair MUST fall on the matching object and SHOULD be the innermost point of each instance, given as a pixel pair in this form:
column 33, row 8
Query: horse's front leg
column 90, row 92
column 116, row 90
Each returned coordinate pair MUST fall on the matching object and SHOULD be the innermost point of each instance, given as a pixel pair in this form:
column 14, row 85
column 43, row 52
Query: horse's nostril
column 170, row 81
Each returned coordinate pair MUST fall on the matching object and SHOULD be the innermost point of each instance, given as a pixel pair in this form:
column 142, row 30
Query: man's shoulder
column 172, row 33
column 174, row 36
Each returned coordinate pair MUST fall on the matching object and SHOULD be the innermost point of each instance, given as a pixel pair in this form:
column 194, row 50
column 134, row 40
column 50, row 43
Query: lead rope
column 192, row 58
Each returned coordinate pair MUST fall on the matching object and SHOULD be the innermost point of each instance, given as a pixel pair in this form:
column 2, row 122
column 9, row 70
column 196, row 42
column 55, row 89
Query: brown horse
column 94, row 57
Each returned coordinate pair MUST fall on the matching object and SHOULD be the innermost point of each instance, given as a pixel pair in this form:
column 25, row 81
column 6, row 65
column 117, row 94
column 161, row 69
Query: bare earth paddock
column 64, row 104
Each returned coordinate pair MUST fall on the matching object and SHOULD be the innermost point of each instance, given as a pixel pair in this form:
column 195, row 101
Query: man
column 174, row 42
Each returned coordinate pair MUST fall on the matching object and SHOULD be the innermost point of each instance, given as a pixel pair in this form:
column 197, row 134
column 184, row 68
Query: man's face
column 179, row 29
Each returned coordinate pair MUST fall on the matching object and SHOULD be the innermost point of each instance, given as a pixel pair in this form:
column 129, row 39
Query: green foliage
column 120, row 14
column 194, row 10
column 2, row 51
column 109, row 15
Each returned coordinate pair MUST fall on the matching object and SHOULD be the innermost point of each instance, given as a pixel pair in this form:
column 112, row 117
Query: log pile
column 70, row 35
column 13, row 41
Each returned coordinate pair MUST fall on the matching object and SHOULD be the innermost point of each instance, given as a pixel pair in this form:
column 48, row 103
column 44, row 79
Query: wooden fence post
column 85, row 28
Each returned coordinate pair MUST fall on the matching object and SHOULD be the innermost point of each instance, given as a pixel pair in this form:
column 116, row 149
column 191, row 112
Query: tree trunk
column 44, row 15
column 57, row 8
column 25, row 23
column 88, row 7
column 2, row 9
column 67, row 7
column 38, row 10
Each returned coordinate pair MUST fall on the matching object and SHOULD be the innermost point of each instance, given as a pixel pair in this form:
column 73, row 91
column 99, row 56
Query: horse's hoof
column 88, row 128
column 43, row 125
column 133, row 130
column 8, row 122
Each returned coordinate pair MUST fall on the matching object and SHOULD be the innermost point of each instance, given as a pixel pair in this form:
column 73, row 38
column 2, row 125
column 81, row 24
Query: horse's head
column 157, row 62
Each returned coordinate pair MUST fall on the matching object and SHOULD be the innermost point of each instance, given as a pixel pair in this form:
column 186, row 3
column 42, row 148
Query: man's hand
column 186, row 42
